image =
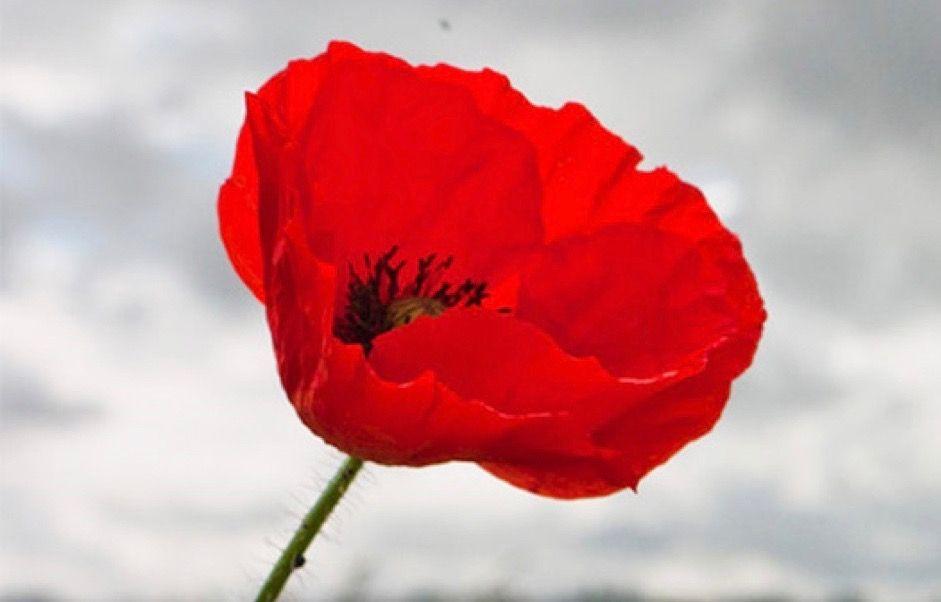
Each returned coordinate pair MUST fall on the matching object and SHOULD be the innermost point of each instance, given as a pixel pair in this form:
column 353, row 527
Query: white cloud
column 49, row 96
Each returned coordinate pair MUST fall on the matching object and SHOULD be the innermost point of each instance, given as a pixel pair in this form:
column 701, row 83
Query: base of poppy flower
column 292, row 557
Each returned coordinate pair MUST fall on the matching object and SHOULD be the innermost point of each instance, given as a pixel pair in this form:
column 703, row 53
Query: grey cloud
column 873, row 67
column 26, row 402
column 120, row 200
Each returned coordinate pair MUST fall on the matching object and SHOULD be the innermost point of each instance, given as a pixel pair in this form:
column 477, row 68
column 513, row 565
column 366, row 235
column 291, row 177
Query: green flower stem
column 293, row 555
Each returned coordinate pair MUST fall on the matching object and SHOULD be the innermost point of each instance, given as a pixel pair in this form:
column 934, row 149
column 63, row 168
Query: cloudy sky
column 147, row 451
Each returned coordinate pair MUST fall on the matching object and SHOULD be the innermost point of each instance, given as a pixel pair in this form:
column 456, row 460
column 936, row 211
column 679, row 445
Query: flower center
column 403, row 311
column 377, row 301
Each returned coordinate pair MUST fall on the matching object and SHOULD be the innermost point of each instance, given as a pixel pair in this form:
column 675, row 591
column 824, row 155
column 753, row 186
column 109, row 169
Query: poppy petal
column 643, row 301
column 509, row 364
column 389, row 158
column 644, row 435
column 579, row 160
column 384, row 157
column 238, row 201
column 589, row 174
column 631, row 425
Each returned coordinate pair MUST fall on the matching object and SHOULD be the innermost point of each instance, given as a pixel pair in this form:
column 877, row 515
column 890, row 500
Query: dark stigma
column 370, row 297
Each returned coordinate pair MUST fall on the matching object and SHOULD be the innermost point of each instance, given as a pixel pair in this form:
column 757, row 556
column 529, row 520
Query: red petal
column 645, row 434
column 512, row 366
column 646, row 304
column 589, row 175
column 383, row 157
column 239, row 230
column 579, row 160
column 643, row 301
column 238, row 203
column 509, row 364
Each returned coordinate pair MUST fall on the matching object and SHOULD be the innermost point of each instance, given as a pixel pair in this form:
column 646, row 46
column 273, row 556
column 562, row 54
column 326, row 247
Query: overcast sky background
column 147, row 451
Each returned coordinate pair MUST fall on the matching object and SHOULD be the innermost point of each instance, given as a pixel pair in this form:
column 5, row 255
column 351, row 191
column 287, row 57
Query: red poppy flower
column 453, row 273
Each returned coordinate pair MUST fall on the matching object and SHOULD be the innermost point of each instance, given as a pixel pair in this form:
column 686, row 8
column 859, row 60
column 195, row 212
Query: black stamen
column 369, row 297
